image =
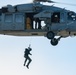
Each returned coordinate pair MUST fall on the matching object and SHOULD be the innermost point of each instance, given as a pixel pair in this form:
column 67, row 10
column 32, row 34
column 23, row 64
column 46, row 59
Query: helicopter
column 26, row 20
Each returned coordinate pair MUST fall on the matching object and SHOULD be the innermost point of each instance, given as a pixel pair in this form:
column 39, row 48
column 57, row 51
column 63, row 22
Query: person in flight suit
column 26, row 56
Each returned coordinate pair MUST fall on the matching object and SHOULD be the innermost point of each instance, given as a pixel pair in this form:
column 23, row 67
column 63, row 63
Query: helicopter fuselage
column 20, row 20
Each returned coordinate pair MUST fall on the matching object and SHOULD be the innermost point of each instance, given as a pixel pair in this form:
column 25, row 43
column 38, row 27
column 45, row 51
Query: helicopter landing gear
column 55, row 41
column 50, row 35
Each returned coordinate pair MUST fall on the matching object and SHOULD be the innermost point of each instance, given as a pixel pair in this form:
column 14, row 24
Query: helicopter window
column 8, row 18
column 71, row 16
column 19, row 18
column 55, row 17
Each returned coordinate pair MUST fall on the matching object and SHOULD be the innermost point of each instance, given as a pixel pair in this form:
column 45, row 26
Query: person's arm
column 30, row 53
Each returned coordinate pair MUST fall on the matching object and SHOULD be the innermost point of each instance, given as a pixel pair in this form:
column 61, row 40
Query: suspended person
column 26, row 56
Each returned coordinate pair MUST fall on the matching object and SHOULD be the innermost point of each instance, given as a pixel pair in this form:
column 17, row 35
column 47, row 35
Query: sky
column 46, row 59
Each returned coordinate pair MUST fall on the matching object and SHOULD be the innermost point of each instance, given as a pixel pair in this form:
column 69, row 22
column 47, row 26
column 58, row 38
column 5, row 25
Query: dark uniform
column 39, row 23
column 26, row 55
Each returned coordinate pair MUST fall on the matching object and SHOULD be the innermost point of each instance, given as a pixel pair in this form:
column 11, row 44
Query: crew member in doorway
column 26, row 56
column 37, row 21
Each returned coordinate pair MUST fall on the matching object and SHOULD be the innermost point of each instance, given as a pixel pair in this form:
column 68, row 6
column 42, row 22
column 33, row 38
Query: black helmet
column 26, row 49
column 29, row 48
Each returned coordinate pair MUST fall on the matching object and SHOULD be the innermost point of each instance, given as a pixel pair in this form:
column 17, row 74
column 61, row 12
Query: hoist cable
column 30, row 42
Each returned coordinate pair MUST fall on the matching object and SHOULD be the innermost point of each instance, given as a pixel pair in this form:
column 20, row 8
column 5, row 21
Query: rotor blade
column 40, row 0
column 62, row 3
column 51, row 2
column 66, row 3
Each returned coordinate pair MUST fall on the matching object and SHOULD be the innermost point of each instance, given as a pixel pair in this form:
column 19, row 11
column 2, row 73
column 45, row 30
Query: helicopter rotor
column 50, row 1
column 62, row 3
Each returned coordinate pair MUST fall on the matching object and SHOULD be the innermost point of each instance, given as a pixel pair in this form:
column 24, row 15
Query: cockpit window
column 71, row 16
column 55, row 18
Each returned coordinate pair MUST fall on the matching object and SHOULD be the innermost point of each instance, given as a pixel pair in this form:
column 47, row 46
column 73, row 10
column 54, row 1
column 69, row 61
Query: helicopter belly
column 24, row 33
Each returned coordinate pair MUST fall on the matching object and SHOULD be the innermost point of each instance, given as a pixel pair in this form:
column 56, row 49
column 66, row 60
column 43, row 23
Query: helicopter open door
column 29, row 20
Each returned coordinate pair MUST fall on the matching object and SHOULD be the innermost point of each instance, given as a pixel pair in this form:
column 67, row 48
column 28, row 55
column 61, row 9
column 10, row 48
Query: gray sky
column 46, row 59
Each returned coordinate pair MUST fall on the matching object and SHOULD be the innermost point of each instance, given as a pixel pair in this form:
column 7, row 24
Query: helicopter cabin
column 19, row 20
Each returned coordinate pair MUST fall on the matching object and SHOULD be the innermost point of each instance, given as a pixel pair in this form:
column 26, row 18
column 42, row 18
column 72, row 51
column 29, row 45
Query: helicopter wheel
column 50, row 35
column 54, row 42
